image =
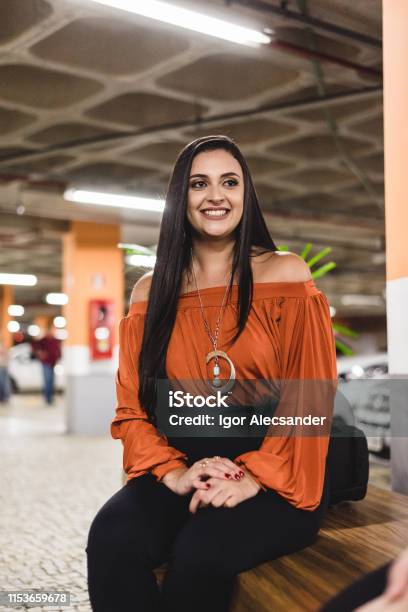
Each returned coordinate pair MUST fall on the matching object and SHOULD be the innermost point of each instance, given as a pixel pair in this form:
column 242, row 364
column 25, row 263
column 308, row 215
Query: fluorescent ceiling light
column 13, row 326
column 191, row 20
column 33, row 330
column 60, row 322
column 59, row 299
column 358, row 299
column 15, row 310
column 27, row 280
column 81, row 196
column 143, row 261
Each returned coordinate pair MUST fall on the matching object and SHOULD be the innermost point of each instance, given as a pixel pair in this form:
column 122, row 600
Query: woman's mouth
column 213, row 213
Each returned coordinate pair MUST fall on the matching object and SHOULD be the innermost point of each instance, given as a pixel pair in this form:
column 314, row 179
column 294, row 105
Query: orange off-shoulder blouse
column 288, row 336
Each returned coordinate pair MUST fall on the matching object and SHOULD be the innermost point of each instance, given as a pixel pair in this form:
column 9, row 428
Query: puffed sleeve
column 292, row 460
column 144, row 448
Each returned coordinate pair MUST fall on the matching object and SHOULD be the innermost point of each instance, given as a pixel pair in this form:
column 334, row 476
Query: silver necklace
column 216, row 384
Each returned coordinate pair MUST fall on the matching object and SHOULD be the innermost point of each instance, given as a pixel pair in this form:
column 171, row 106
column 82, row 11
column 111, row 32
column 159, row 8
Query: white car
column 26, row 373
column 371, row 366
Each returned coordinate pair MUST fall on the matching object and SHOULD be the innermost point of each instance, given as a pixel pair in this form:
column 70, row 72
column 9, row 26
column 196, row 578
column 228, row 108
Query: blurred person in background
column 5, row 387
column 48, row 351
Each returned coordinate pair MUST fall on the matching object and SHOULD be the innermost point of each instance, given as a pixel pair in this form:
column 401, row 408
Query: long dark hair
column 173, row 258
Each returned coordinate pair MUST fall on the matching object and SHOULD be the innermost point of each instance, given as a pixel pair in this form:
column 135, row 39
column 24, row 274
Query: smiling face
column 216, row 185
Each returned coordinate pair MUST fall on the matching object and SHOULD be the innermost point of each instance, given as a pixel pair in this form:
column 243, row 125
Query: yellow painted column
column 6, row 299
column 92, row 270
column 395, row 52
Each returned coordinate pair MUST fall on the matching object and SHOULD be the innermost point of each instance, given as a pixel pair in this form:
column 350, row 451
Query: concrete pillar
column 92, row 269
column 6, row 299
column 395, row 50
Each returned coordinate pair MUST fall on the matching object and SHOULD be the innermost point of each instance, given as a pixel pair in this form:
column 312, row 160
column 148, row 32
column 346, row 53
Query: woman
column 213, row 506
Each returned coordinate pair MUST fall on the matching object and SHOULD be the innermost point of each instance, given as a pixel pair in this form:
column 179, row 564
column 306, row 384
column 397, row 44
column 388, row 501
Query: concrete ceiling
column 100, row 98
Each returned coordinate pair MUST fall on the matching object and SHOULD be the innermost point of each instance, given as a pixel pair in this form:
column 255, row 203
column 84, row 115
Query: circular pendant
column 216, row 384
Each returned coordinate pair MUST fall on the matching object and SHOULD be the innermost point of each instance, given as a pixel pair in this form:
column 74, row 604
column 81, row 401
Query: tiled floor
column 52, row 485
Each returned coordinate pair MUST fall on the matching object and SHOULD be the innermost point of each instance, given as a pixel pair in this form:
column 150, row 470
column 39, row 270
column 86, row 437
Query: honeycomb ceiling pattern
column 96, row 97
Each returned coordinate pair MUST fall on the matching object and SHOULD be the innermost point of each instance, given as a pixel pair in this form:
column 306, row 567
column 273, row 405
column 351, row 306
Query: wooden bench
column 356, row 537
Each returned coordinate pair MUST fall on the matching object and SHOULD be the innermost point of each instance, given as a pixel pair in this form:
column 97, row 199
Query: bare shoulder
column 284, row 266
column 141, row 289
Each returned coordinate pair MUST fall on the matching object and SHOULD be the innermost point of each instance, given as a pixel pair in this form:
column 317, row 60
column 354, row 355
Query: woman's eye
column 198, row 183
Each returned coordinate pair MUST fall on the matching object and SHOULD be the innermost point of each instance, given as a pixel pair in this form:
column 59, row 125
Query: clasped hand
column 216, row 481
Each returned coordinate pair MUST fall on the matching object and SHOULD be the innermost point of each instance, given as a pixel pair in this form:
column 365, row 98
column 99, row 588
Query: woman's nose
column 216, row 195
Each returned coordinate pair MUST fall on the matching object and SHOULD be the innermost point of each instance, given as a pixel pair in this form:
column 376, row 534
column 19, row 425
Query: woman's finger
column 221, row 472
column 227, row 463
column 231, row 464
column 220, row 498
column 229, row 502
column 196, row 501
column 222, row 461
column 193, row 504
column 200, row 484
column 218, row 468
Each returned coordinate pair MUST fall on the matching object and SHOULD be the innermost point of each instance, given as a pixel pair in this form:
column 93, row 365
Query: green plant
column 339, row 330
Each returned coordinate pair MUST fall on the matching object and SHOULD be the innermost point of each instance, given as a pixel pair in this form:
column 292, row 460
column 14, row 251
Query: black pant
column 365, row 589
column 145, row 524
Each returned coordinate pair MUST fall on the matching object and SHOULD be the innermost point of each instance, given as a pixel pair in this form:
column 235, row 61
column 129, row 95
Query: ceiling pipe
column 27, row 179
column 303, row 103
column 324, row 57
column 282, row 11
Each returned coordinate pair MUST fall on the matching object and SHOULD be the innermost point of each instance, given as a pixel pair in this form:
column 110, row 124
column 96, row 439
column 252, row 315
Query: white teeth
column 215, row 213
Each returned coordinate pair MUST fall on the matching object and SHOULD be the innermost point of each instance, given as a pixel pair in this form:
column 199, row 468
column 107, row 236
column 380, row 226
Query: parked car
column 371, row 365
column 26, row 372
column 364, row 384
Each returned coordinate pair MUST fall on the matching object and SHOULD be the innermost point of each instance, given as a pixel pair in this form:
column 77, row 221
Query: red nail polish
column 207, row 484
column 237, row 477
column 241, row 473
column 227, row 475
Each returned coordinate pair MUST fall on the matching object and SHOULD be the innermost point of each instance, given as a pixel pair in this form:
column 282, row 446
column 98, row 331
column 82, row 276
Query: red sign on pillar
column 101, row 328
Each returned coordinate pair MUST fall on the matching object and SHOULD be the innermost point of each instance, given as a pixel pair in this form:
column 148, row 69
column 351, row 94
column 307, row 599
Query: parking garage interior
column 96, row 104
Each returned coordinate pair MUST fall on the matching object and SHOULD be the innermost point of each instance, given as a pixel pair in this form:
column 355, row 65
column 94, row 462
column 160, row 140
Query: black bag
column 347, row 462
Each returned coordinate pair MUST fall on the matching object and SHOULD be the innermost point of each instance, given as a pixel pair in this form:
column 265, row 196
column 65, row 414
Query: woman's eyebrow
column 206, row 175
